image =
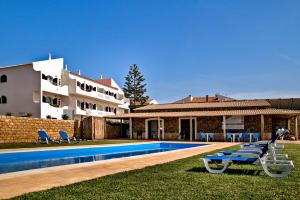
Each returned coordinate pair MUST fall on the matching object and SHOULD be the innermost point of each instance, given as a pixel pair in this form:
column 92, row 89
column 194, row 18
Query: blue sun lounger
column 272, row 167
column 43, row 137
column 64, row 137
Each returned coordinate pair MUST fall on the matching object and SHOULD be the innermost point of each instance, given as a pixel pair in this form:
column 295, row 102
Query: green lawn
column 184, row 179
column 33, row 145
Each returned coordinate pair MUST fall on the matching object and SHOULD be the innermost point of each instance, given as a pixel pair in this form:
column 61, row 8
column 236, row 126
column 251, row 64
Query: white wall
column 22, row 90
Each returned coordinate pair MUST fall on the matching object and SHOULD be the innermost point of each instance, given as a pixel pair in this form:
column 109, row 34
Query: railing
column 49, row 87
column 95, row 113
column 95, row 94
column 54, row 112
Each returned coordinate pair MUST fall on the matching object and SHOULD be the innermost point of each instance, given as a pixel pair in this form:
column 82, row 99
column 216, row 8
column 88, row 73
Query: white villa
column 45, row 89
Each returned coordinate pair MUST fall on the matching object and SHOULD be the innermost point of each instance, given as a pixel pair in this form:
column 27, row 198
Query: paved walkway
column 18, row 183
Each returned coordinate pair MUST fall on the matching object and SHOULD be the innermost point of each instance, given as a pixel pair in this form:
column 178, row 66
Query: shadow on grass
column 251, row 172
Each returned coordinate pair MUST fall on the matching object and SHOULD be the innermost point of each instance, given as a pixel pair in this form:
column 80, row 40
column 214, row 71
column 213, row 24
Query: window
column 55, row 81
column 44, row 77
column 3, row 79
column 94, row 89
column 55, row 102
column 82, row 86
column 44, row 99
column 94, row 107
column 87, row 105
column 78, row 83
column 3, row 100
column 82, row 106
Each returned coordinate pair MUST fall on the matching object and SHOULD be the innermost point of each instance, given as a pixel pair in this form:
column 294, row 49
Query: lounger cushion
column 234, row 159
column 227, row 153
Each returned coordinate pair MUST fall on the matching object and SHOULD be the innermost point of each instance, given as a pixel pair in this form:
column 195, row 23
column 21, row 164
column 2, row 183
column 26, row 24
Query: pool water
column 19, row 161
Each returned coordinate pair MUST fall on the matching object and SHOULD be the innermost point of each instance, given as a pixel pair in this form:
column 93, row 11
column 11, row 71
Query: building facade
column 171, row 121
column 45, row 89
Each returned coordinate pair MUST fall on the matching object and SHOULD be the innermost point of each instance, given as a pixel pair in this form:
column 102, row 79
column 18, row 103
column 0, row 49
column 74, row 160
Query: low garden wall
column 24, row 129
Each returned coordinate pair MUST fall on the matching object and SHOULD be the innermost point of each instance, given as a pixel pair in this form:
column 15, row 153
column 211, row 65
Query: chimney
column 79, row 72
column 190, row 98
column 206, row 98
column 101, row 76
column 66, row 67
column 49, row 56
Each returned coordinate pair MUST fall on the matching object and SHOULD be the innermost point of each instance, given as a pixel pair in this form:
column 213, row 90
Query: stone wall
column 209, row 124
column 138, row 125
column 113, row 131
column 171, row 128
column 24, row 129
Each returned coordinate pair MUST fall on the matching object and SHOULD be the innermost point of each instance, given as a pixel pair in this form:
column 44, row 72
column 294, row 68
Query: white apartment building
column 46, row 89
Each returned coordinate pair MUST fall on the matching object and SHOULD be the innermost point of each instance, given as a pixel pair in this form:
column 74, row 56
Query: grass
column 85, row 142
column 184, row 179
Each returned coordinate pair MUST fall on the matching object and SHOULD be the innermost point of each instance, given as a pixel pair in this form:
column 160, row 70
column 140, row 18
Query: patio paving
column 18, row 183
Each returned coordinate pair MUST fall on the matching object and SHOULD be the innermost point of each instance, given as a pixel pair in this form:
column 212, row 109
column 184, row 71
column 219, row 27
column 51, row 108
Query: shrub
column 65, row 117
column 48, row 117
column 28, row 115
column 8, row 114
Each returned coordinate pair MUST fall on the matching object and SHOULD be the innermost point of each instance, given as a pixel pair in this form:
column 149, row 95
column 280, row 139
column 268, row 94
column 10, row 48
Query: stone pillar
column 224, row 127
column 130, row 128
column 262, row 126
column 146, row 129
column 296, row 128
column 191, row 129
column 158, row 129
column 289, row 123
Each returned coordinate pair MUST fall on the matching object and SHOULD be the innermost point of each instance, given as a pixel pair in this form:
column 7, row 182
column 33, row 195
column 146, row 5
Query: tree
column 134, row 87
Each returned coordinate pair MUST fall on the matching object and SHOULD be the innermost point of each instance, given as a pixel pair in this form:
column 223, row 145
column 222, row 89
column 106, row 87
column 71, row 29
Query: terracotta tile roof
column 268, row 111
column 106, row 81
column 225, row 104
column 204, row 100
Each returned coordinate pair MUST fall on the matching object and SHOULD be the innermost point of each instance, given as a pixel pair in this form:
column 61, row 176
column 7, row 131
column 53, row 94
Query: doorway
column 155, row 128
column 187, row 128
column 152, row 129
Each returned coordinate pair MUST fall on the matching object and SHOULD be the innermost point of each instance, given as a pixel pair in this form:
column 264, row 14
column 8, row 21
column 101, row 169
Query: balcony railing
column 94, row 94
column 95, row 113
column 54, row 112
column 49, row 87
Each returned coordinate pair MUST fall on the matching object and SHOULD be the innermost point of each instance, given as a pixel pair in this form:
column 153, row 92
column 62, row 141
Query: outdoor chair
column 212, row 137
column 256, row 137
column 65, row 138
column 43, row 137
column 272, row 167
column 229, row 137
column 239, row 137
column 202, row 137
column 246, row 136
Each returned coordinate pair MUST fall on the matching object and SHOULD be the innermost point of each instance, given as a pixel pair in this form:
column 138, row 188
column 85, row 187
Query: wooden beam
column 262, row 125
column 224, row 127
column 130, row 128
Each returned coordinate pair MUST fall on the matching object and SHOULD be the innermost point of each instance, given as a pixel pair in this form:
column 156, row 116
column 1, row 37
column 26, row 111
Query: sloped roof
column 229, row 104
column 268, row 111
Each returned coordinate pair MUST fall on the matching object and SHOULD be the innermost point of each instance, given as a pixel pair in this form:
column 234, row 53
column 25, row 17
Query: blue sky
column 245, row 49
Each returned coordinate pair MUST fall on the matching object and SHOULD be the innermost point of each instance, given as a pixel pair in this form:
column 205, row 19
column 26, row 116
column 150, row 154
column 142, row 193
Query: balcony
column 94, row 113
column 49, row 87
column 94, row 94
column 54, row 112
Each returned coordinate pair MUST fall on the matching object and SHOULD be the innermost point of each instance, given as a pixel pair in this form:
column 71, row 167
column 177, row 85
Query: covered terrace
column 169, row 125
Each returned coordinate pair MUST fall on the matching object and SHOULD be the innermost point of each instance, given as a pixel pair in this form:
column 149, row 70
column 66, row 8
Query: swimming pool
column 19, row 161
